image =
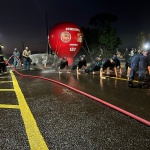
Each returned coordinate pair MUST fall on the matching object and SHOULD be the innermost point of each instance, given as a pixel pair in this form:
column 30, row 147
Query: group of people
column 137, row 62
column 100, row 64
column 26, row 58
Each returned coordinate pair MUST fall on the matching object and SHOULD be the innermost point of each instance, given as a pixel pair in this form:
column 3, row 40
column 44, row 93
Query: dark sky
column 25, row 20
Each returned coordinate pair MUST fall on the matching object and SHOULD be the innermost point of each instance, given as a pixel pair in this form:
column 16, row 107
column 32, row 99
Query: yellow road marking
column 9, row 106
column 3, row 77
column 120, row 78
column 6, row 90
column 5, row 81
column 35, row 138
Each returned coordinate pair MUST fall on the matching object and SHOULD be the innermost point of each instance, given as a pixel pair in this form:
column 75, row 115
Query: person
column 79, row 64
column 101, row 64
column 131, row 52
column 63, row 64
column 108, row 64
column 4, row 68
column 148, row 68
column 55, row 61
column 118, row 54
column 44, row 61
column 139, row 62
column 126, row 57
column 2, row 63
column 16, row 56
column 94, row 66
column 26, row 58
column 139, row 51
column 116, row 64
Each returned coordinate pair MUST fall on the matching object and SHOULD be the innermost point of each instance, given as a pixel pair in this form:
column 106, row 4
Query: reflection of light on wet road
column 101, row 83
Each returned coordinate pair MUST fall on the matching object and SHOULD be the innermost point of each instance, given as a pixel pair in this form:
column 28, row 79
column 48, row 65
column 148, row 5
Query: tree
column 107, row 35
column 141, row 38
column 91, row 42
column 100, row 20
column 108, row 39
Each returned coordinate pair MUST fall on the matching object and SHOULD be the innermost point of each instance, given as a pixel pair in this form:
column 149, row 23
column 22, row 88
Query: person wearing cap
column 63, row 64
column 108, row 64
column 79, row 64
column 94, row 66
column 139, row 63
column 26, row 58
column 16, row 56
column 101, row 64
column 116, row 64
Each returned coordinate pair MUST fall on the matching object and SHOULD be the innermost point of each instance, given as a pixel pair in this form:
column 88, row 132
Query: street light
column 1, row 46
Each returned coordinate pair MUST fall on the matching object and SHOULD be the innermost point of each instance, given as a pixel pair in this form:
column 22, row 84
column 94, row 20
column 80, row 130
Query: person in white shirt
column 26, row 59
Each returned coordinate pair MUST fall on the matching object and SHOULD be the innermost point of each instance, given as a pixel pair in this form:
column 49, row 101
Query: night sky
column 25, row 20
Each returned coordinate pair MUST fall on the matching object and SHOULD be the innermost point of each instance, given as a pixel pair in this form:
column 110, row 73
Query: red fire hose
column 146, row 122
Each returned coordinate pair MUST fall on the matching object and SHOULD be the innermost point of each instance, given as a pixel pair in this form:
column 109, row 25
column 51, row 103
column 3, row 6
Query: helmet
column 100, row 56
column 15, row 49
column 82, row 57
column 64, row 58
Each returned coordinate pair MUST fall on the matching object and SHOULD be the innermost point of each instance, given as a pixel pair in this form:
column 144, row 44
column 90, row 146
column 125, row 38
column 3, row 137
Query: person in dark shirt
column 139, row 62
column 94, row 66
column 101, row 64
column 148, row 68
column 116, row 64
column 79, row 64
column 63, row 64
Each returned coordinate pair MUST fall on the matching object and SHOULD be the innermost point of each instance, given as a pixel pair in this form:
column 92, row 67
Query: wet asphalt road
column 68, row 120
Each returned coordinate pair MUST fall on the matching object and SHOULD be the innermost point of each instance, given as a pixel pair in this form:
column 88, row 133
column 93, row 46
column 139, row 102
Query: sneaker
column 108, row 73
column 59, row 72
column 142, row 85
column 130, row 84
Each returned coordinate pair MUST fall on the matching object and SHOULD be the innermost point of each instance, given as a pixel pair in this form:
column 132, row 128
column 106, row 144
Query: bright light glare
column 146, row 46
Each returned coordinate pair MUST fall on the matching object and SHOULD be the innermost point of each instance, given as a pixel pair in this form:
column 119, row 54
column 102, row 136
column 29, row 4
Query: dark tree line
column 101, row 36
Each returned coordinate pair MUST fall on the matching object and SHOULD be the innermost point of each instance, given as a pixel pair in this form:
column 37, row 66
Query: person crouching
column 63, row 64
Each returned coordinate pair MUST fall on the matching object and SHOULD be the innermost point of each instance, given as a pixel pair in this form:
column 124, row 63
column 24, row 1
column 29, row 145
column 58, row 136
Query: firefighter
column 94, row 66
column 139, row 62
column 16, row 55
column 63, row 64
column 108, row 64
column 116, row 65
column 2, row 63
column 79, row 64
column 101, row 64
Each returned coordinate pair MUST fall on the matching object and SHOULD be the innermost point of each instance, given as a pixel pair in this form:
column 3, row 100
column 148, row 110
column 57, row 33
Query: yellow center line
column 120, row 78
column 9, row 106
column 3, row 77
column 5, row 81
column 3, row 90
column 35, row 138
